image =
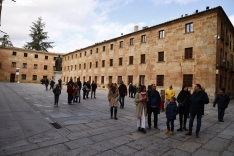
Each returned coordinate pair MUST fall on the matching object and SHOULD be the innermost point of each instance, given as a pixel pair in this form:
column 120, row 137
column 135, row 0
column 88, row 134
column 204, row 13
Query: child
column 56, row 92
column 76, row 93
column 69, row 92
column 171, row 112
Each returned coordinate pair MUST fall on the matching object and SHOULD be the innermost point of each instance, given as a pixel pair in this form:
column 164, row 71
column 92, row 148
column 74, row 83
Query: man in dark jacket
column 153, row 105
column 197, row 103
column 223, row 100
column 93, row 91
column 122, row 94
column 80, row 85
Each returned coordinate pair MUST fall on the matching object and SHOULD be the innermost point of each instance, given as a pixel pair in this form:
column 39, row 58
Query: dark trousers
column 129, row 93
column 93, row 92
column 170, row 121
column 121, row 101
column 183, row 122
column 192, row 117
column 69, row 98
column 115, row 111
column 75, row 99
column 84, row 93
column 56, row 99
column 155, row 111
column 221, row 113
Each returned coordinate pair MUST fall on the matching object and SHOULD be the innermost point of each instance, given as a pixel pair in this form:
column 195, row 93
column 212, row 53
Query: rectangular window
column 68, row 58
column 131, row 41
column 14, row 53
column 111, row 46
column 35, row 56
column 142, row 58
column 189, row 27
column 72, row 56
column 23, row 76
column 96, row 64
column 103, row 48
column 188, row 53
column 24, row 65
column 121, row 44
column 120, row 61
column 119, row 79
column 84, row 65
column 90, row 65
column 46, row 57
column 96, row 50
column 85, row 53
column 142, row 80
column 130, row 79
column 143, row 38
column 71, row 67
column 102, row 79
column 80, row 54
column 68, row 68
column 35, row 66
column 84, row 78
column 111, row 62
column 160, row 56
column 160, row 80
column 34, row 77
column 45, row 67
column 91, row 52
column 79, row 66
column 76, row 55
column 25, row 54
column 13, row 64
column 75, row 67
column 130, row 59
column 95, row 79
column 103, row 63
column 161, row 34
column 188, row 80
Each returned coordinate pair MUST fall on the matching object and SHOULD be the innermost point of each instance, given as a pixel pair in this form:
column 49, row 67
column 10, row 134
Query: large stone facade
column 182, row 51
column 34, row 65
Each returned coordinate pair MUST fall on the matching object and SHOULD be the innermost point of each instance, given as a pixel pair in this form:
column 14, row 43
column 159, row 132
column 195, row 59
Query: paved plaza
column 26, row 111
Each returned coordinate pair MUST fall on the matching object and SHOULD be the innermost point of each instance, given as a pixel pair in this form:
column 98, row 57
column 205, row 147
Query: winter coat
column 57, row 91
column 158, row 100
column 222, row 100
column 76, row 91
column 170, row 93
column 113, row 97
column 122, row 90
column 69, row 90
column 171, row 111
column 52, row 83
column 46, row 82
column 88, row 86
column 94, row 86
column 130, row 88
column 140, row 105
column 197, row 102
column 79, row 84
column 184, row 97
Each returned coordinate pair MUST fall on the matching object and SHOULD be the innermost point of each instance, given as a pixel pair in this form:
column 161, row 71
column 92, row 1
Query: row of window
column 188, row 55
column 24, row 77
column 188, row 28
column 35, row 55
column 187, row 79
column 35, row 66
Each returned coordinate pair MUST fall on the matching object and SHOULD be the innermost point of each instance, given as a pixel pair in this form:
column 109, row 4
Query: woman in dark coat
column 183, row 111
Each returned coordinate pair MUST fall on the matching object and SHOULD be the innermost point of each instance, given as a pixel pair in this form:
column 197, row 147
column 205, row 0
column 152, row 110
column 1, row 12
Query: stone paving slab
column 27, row 111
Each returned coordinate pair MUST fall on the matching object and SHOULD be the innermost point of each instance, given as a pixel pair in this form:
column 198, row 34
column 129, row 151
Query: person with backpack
column 52, row 84
column 57, row 92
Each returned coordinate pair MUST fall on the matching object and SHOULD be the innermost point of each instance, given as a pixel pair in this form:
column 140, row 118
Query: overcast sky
column 75, row 24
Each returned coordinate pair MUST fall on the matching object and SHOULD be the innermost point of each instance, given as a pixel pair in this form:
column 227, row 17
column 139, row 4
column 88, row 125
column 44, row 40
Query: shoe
column 188, row 133
column 139, row 128
column 94, row 97
column 185, row 129
column 111, row 117
column 180, row 129
column 197, row 135
column 167, row 131
column 155, row 127
column 171, row 132
column 149, row 127
column 143, row 130
column 221, row 121
column 116, row 118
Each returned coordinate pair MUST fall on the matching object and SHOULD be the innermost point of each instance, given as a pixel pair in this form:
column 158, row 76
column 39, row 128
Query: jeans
column 172, row 124
column 155, row 111
column 121, row 101
column 220, row 113
column 183, row 122
column 69, row 98
column 93, row 92
column 56, row 99
column 192, row 117
column 84, row 93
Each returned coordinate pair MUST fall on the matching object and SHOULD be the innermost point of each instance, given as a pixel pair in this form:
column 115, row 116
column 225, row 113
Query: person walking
column 223, row 100
column 171, row 112
column 113, row 97
column 130, row 89
column 122, row 93
column 88, row 89
column 76, row 93
column 183, row 107
column 93, row 90
column 69, row 92
column 141, row 100
column 80, row 87
column 60, row 83
column 170, row 92
column 46, row 83
column 153, row 106
column 57, row 92
column 197, row 103
column 84, row 89
column 52, row 84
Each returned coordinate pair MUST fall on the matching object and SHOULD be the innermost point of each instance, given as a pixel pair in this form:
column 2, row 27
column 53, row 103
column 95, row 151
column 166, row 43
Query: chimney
column 196, row 11
column 182, row 16
column 186, row 15
column 135, row 28
column 207, row 8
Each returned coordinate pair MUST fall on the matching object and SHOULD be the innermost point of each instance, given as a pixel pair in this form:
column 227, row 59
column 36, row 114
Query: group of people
column 132, row 90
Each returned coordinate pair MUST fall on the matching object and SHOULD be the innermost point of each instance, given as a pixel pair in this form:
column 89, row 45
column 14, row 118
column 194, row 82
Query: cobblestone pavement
column 26, row 111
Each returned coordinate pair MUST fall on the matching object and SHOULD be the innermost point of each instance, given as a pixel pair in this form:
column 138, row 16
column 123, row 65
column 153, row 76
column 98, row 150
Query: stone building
column 34, row 65
column 192, row 49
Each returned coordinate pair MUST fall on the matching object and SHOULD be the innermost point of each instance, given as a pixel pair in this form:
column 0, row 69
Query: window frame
column 189, row 27
column 121, row 44
column 112, row 46
column 143, row 59
column 160, row 80
column 14, row 53
column 131, row 60
column 33, row 77
column 120, row 61
column 143, row 38
column 161, row 58
column 25, row 54
column 24, row 65
column 119, row 79
column 111, row 62
column 45, row 67
column 131, row 41
column 187, row 82
column 23, row 76
column 188, row 53
column 13, row 64
column 46, row 57
column 102, row 79
column 161, row 34
column 103, row 63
